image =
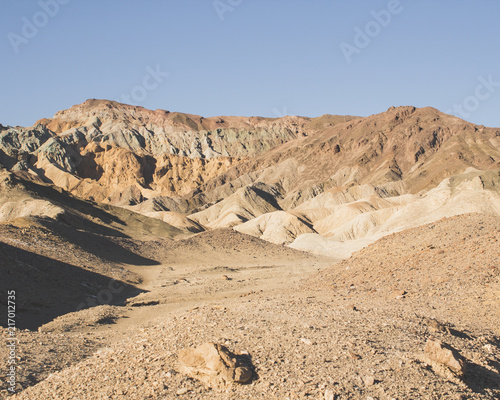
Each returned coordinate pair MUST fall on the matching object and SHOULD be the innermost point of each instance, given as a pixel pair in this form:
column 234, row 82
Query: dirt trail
column 173, row 288
column 221, row 265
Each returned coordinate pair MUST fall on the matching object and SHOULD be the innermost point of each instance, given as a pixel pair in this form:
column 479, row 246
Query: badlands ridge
column 307, row 183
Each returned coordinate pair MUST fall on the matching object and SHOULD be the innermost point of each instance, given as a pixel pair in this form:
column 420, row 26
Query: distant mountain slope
column 22, row 199
column 121, row 154
column 162, row 132
column 416, row 147
column 351, row 226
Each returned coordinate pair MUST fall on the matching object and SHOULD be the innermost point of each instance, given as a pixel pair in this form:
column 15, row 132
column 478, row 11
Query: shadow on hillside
column 479, row 378
column 46, row 288
column 101, row 246
column 100, row 219
column 63, row 199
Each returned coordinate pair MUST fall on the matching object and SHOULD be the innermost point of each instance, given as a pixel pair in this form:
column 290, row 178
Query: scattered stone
column 182, row 391
column 398, row 294
column 214, row 365
column 329, row 395
column 435, row 326
column 369, row 380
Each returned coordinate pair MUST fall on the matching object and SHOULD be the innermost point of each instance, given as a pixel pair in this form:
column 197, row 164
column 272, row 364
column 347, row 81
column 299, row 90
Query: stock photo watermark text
column 483, row 91
column 31, row 26
column 363, row 37
column 222, row 7
column 150, row 82
column 11, row 341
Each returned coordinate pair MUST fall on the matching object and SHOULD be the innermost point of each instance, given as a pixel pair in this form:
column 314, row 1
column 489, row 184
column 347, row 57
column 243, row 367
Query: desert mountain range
column 131, row 234
column 311, row 183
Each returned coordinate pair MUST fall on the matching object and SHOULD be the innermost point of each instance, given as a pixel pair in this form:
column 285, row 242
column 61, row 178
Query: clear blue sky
column 258, row 57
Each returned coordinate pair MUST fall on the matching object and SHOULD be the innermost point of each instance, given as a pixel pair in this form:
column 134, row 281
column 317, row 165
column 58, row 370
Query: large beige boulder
column 214, row 365
column 444, row 359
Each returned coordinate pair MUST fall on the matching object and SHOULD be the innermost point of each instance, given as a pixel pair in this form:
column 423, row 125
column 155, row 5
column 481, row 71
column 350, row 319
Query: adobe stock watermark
column 280, row 113
column 11, row 342
column 222, row 7
column 151, row 81
column 363, row 37
column 484, row 90
column 31, row 26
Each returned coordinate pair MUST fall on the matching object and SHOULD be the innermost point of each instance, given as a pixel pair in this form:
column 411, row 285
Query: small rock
column 369, row 380
column 225, row 278
column 329, row 395
column 488, row 347
column 435, row 326
column 398, row 294
column 182, row 391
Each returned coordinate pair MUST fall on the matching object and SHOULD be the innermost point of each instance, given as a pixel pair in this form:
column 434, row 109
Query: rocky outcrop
column 162, row 132
column 277, row 227
column 19, row 144
column 214, row 365
column 444, row 358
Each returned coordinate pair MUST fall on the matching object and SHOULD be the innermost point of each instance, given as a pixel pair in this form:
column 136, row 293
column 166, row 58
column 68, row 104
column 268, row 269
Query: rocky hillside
column 123, row 154
column 415, row 147
column 414, row 316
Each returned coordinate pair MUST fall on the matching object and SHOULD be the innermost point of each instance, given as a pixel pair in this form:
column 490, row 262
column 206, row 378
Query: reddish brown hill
column 419, row 147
